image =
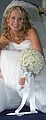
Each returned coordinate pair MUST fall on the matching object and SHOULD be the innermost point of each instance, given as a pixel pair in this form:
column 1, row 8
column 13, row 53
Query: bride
column 17, row 35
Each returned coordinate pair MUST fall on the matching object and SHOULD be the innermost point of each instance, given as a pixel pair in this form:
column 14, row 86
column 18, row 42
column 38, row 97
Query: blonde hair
column 6, row 28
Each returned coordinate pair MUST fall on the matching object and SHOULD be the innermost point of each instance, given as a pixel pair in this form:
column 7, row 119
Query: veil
column 26, row 5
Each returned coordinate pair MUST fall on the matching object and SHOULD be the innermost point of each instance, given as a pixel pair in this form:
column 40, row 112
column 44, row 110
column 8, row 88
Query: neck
column 16, row 37
column 15, row 33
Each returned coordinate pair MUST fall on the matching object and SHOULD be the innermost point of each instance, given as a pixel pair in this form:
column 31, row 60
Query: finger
column 21, row 82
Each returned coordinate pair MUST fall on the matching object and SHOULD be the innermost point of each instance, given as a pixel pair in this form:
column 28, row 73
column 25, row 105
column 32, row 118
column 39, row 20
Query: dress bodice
column 23, row 45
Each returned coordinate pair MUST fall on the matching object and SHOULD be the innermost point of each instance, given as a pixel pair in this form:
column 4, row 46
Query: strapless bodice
column 23, row 45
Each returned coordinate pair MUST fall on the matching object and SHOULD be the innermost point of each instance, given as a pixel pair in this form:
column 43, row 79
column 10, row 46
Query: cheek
column 11, row 24
column 20, row 24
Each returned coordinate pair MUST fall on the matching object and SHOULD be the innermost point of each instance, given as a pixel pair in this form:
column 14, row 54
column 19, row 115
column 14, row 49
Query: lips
column 16, row 25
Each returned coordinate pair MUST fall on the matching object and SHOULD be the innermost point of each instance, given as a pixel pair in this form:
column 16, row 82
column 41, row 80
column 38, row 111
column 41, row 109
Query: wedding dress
column 12, row 72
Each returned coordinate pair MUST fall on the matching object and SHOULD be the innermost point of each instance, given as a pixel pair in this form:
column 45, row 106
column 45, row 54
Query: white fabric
column 3, row 98
column 12, row 73
column 40, row 88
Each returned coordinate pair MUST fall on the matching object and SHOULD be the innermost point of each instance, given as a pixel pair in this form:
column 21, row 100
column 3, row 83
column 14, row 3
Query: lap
column 9, row 98
column 2, row 95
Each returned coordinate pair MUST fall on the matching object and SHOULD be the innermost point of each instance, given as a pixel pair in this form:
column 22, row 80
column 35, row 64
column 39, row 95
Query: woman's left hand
column 22, row 81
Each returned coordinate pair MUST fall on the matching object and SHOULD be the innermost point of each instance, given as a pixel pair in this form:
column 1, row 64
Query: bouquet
column 32, row 60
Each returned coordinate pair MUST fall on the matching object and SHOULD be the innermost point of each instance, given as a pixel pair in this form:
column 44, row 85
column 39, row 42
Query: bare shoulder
column 34, row 37
column 3, row 41
column 32, row 32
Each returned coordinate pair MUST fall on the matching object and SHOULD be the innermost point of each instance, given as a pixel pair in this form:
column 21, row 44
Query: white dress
column 9, row 97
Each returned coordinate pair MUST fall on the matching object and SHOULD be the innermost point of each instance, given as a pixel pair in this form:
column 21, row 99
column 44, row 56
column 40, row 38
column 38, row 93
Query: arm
column 33, row 36
column 1, row 77
column 3, row 42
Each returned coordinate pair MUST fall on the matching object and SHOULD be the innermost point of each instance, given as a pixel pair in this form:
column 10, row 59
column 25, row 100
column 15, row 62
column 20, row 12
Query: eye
column 12, row 18
column 20, row 18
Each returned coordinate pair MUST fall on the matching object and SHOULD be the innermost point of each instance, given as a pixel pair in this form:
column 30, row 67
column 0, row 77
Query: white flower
column 32, row 59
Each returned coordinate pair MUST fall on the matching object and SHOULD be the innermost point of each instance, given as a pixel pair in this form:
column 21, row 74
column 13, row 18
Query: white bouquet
column 32, row 60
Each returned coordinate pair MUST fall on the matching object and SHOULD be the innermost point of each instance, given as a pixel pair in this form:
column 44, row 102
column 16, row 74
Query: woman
column 17, row 35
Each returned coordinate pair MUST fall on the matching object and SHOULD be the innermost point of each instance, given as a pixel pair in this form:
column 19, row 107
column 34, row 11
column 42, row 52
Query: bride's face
column 16, row 20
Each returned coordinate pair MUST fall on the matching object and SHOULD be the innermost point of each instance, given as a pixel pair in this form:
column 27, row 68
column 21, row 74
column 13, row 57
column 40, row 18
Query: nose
column 16, row 20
